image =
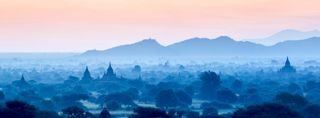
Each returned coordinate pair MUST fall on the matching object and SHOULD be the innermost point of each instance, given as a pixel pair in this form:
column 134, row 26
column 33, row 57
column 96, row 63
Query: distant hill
column 307, row 47
column 222, row 46
column 286, row 35
column 149, row 47
column 205, row 47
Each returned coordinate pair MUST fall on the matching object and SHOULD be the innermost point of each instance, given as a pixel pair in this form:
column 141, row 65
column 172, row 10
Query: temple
column 21, row 83
column 287, row 68
column 86, row 76
column 109, row 74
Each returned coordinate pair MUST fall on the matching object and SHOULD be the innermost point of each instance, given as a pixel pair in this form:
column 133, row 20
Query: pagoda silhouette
column 287, row 68
column 109, row 75
column 86, row 76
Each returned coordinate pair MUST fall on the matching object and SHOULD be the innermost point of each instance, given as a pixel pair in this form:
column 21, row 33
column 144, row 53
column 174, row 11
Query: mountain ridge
column 285, row 35
column 220, row 46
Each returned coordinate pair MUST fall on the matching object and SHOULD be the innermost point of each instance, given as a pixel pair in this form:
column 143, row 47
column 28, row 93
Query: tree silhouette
column 293, row 101
column 18, row 109
column 73, row 112
column 47, row 114
column 311, row 111
column 121, row 98
column 145, row 112
column 210, row 82
column 269, row 110
column 113, row 105
column 210, row 111
column 184, row 99
column 226, row 95
column 166, row 99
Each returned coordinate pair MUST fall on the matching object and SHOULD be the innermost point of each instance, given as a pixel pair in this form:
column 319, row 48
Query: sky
column 80, row 25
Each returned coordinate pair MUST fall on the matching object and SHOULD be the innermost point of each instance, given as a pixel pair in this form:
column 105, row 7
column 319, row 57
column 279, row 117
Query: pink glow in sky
column 79, row 25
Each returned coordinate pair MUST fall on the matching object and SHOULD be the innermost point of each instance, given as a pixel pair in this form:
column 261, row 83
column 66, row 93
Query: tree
column 291, row 100
column 104, row 114
column 132, row 92
column 184, row 99
column 136, row 69
column 210, row 111
column 192, row 114
column 47, row 114
column 73, row 112
column 113, row 105
column 210, row 82
column 226, row 95
column 121, row 98
column 250, row 97
column 166, row 99
column 18, row 109
column 146, row 112
column 217, row 116
column 311, row 111
column 269, row 110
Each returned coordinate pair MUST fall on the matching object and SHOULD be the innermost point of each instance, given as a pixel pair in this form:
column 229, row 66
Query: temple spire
column 109, row 74
column 87, row 70
column 287, row 68
column 109, row 65
column 86, row 75
column 22, row 78
column 110, row 69
column 287, row 62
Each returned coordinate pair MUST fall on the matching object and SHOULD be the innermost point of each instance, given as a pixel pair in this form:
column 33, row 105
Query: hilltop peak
column 149, row 41
column 224, row 38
